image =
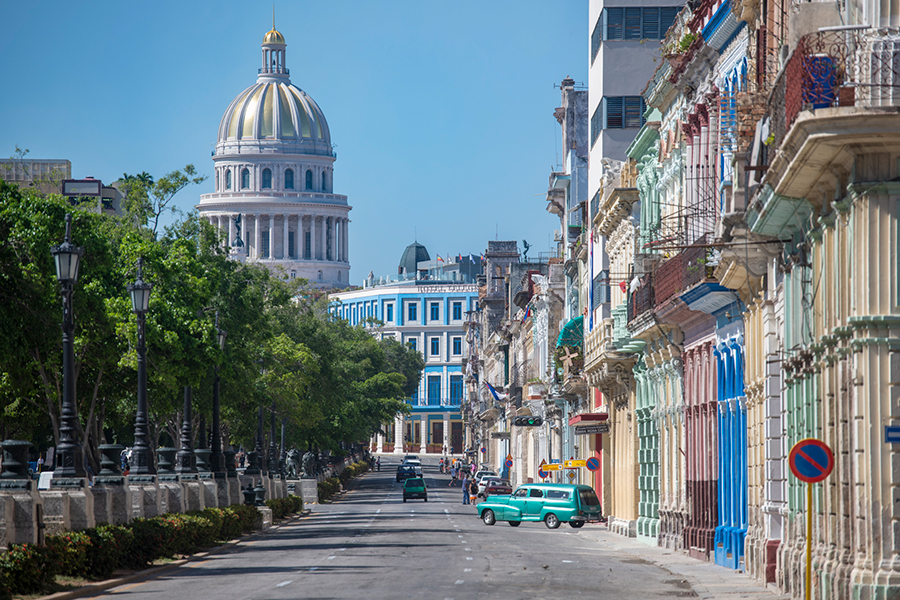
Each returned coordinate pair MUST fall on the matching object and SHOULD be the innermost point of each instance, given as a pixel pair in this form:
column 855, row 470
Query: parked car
column 494, row 486
column 410, row 457
column 415, row 488
column 552, row 503
column 483, row 473
column 405, row 472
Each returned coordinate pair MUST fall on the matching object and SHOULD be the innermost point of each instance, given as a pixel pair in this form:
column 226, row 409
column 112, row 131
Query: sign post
column 811, row 460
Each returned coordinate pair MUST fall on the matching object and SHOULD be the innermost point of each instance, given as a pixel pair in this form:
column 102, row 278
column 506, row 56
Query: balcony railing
column 839, row 67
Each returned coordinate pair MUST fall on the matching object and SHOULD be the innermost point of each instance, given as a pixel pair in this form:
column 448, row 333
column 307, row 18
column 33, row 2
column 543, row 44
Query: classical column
column 346, row 225
column 399, row 430
column 423, row 434
column 379, row 439
column 312, row 237
column 272, row 237
column 256, row 236
column 446, row 448
column 230, row 231
column 286, row 251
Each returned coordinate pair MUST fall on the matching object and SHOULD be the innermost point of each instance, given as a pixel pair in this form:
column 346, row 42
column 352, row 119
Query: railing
column 641, row 299
column 837, row 67
column 680, row 272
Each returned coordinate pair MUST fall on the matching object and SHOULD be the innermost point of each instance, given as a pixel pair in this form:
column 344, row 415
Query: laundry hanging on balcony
column 572, row 333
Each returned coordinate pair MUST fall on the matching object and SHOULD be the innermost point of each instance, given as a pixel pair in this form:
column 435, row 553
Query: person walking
column 465, row 488
column 473, row 490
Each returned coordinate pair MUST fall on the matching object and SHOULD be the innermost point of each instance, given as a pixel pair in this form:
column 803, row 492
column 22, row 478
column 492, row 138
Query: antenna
column 273, row 15
column 497, row 231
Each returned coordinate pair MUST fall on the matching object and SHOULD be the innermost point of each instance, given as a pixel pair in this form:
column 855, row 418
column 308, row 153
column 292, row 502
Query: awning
column 572, row 333
column 586, row 417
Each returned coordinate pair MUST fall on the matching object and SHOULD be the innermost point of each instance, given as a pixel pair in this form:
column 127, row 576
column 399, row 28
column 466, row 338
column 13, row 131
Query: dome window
column 308, row 179
column 289, row 179
column 228, row 179
column 245, row 179
column 267, row 178
column 324, row 181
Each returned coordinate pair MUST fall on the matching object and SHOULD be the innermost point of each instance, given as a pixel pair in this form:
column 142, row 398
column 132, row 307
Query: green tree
column 147, row 200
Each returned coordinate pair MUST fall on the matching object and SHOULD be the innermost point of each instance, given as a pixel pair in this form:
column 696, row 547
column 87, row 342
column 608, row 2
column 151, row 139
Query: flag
column 471, row 259
column 494, row 392
column 460, row 258
column 439, row 259
column 527, row 313
column 482, row 257
column 623, row 285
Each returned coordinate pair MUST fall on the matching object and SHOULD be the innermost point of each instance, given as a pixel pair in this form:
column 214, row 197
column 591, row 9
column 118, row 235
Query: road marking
column 568, row 561
column 342, row 549
column 446, row 511
column 464, row 541
column 467, row 570
column 377, row 511
column 332, row 557
column 282, row 584
column 313, row 568
column 469, row 557
column 195, row 565
column 468, row 549
column 459, row 582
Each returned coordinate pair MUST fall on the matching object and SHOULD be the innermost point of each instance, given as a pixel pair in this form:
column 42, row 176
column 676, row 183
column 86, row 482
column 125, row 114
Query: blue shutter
column 650, row 25
column 613, row 112
column 633, row 23
column 614, row 25
column 633, row 113
column 666, row 18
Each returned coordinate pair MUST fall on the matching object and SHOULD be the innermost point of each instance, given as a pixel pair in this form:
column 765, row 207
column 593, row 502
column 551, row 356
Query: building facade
column 274, row 199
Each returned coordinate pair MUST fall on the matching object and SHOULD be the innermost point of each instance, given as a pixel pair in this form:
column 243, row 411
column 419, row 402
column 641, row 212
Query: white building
column 274, row 168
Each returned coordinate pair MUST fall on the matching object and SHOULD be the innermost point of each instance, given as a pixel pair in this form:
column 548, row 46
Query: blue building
column 425, row 307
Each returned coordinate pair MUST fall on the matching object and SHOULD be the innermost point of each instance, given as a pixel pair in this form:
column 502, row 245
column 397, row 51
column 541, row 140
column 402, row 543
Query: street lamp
column 140, row 303
column 216, row 458
column 69, row 454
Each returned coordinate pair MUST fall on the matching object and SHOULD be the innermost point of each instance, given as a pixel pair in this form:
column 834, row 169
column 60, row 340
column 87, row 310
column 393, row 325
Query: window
column 389, row 309
column 289, row 179
column 649, row 23
column 457, row 311
column 435, row 311
column 622, row 112
column 596, row 36
column 412, row 343
column 415, row 396
column 292, row 252
column 434, row 390
column 324, row 181
column 293, row 274
column 435, row 346
column 521, row 493
column 456, row 389
column 559, row 494
column 264, row 247
column 217, row 180
column 320, row 275
column 596, row 123
column 307, row 244
column 267, row 179
column 457, row 346
column 412, row 312
column 533, row 493
column 308, row 179
column 228, row 179
column 245, row 179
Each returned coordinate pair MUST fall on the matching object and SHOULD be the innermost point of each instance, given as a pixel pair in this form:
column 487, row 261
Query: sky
column 441, row 113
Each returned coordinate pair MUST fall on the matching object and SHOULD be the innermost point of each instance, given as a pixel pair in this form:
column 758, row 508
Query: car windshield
column 494, row 482
column 588, row 498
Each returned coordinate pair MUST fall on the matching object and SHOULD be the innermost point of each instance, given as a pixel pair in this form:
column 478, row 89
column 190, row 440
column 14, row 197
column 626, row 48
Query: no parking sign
column 811, row 460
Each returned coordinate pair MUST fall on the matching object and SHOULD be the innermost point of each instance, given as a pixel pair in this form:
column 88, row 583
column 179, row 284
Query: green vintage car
column 552, row 503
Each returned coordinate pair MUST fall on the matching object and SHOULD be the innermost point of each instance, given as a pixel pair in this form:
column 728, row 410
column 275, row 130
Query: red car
column 494, row 486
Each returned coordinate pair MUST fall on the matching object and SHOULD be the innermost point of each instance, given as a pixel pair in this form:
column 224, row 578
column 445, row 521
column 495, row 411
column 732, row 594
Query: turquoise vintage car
column 552, row 503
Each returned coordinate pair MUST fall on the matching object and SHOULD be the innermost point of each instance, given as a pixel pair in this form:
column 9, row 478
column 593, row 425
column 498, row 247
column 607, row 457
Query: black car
column 404, row 472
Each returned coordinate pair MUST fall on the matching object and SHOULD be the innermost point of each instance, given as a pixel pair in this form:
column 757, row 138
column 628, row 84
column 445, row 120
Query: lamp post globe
column 142, row 453
column 69, row 454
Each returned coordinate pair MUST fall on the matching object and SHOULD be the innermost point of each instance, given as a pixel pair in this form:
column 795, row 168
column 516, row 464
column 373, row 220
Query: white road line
column 283, row 583
column 459, row 582
column 446, row 511
column 332, row 557
column 467, row 570
column 342, row 549
column 469, row 557
column 464, row 541
column 468, row 549
column 313, row 568
column 377, row 511
column 568, row 561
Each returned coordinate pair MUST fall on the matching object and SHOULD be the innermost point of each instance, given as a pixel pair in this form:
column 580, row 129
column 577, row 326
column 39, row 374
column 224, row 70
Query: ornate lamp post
column 69, row 454
column 140, row 303
column 273, row 450
column 216, row 458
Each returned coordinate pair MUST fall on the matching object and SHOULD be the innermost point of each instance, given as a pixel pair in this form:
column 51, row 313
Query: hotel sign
column 592, row 429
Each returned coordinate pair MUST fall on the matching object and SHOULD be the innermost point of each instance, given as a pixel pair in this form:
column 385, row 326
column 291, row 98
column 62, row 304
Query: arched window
column 308, row 179
column 245, row 179
column 289, row 179
column 228, row 179
column 324, row 181
column 267, row 178
column 293, row 274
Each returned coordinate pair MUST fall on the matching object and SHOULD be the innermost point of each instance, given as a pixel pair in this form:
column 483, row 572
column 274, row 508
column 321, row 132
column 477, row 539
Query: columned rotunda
column 274, row 168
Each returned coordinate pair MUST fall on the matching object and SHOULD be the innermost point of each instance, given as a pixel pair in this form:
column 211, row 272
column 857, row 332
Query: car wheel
column 426, row 498
column 488, row 517
column 576, row 524
column 515, row 523
column 404, row 499
column 551, row 521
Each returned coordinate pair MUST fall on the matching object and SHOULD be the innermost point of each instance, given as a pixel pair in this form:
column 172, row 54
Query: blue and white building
column 424, row 306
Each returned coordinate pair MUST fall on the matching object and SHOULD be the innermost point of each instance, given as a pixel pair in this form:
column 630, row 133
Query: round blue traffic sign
column 811, row 460
column 593, row 463
column 508, row 463
column 542, row 474
column 483, row 450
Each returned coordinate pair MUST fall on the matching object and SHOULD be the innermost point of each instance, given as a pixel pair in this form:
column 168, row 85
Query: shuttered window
column 623, row 112
column 621, row 23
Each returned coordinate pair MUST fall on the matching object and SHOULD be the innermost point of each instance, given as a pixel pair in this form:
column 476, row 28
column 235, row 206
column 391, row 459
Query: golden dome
column 273, row 37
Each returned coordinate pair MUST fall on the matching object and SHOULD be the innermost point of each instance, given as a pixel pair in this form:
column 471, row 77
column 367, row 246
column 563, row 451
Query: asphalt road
column 370, row 544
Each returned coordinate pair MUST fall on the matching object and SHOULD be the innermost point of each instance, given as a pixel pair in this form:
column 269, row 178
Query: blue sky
column 441, row 112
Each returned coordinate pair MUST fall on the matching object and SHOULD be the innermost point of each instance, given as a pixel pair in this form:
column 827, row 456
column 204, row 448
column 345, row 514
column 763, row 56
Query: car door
column 517, row 504
column 534, row 504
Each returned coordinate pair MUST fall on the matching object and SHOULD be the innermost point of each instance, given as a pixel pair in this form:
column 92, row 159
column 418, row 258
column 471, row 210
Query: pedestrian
column 473, row 490
column 378, row 464
column 40, row 462
column 465, row 488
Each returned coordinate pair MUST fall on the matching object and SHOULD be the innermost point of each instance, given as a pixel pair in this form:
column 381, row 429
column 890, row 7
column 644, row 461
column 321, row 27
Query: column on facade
column 446, row 445
column 231, row 235
column 286, row 252
column 329, row 238
column 346, row 241
column 312, row 237
column 380, row 441
column 271, row 236
column 399, row 428
column 338, row 236
column 423, row 434
column 256, row 236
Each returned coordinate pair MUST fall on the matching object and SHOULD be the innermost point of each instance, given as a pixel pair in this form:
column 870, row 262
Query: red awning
column 588, row 417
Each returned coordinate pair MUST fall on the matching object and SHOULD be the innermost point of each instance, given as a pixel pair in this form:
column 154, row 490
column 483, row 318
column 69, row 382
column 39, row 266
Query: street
column 370, row 544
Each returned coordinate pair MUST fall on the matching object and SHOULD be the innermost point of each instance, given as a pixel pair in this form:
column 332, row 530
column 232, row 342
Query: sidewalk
column 708, row 580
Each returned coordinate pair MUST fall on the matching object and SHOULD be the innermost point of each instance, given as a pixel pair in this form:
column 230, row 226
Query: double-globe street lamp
column 142, row 455
column 69, row 462
column 217, row 458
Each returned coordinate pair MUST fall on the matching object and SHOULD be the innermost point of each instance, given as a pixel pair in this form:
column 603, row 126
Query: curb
column 152, row 572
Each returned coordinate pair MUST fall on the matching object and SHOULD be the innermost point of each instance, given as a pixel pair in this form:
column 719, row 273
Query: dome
column 276, row 110
column 412, row 255
column 273, row 37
